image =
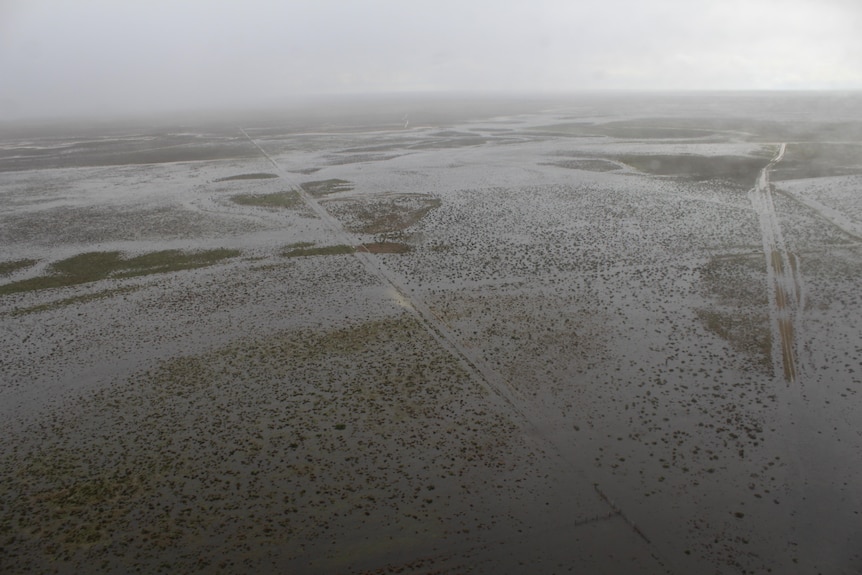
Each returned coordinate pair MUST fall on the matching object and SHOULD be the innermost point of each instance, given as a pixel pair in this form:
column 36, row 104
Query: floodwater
column 592, row 334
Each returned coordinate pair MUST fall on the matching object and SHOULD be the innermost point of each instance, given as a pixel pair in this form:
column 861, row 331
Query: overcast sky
column 66, row 57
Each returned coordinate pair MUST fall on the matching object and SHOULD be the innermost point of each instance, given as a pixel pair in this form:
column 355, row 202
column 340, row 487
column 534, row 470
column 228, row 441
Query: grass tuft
column 324, row 187
column 94, row 266
column 287, row 199
column 385, row 248
column 256, row 176
column 74, row 300
column 305, row 249
column 7, row 268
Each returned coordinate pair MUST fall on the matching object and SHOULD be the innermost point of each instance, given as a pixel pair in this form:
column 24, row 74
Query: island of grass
column 384, row 248
column 78, row 299
column 94, row 266
column 255, row 176
column 325, row 187
column 7, row 268
column 741, row 170
column 288, row 199
column 586, row 164
column 308, row 249
column 382, row 213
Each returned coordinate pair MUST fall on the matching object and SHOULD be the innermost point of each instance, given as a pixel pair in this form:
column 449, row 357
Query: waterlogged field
column 598, row 335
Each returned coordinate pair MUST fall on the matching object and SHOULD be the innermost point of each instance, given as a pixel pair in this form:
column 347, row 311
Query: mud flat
column 546, row 337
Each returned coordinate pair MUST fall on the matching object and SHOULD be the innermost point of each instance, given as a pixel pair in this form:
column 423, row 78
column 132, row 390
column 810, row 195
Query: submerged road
column 786, row 297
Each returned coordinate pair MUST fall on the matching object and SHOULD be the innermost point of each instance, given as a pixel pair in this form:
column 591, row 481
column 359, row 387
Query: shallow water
column 571, row 364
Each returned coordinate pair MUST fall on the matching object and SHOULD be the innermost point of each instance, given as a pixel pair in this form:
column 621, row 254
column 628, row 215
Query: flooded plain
column 605, row 334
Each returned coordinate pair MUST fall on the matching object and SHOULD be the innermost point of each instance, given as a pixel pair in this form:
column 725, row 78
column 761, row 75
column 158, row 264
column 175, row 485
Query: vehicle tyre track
column 786, row 293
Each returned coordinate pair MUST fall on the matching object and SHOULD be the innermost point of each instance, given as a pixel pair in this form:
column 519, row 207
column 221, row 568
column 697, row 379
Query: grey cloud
column 93, row 56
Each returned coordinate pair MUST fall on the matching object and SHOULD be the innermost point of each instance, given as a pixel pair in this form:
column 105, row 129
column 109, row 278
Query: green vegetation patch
column 255, row 176
column 581, row 129
column 7, row 268
column 288, row 199
column 735, row 283
column 649, row 132
column 639, row 130
column 74, row 300
column 299, row 245
column 446, row 143
column 306, row 249
column 702, row 128
column 737, row 280
column 343, row 159
column 95, row 266
column 742, row 170
column 383, row 213
column 385, row 248
column 817, row 160
column 652, row 128
column 325, row 187
column 748, row 333
column 588, row 165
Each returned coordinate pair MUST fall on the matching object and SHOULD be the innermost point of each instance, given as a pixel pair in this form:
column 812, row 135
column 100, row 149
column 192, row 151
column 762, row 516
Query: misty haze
column 357, row 289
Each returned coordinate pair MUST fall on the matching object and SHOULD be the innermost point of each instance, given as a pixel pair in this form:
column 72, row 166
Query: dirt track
column 785, row 282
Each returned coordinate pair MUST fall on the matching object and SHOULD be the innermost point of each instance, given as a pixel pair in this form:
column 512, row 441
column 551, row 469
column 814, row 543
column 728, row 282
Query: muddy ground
column 593, row 335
